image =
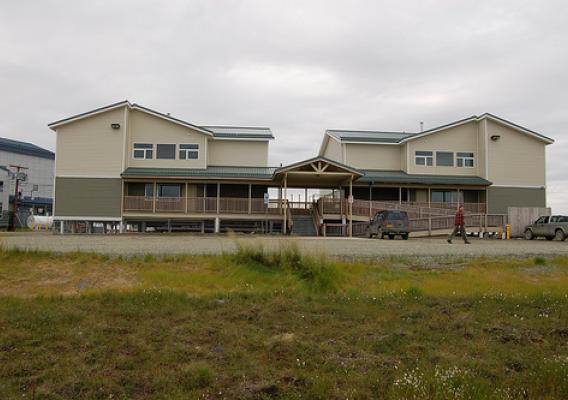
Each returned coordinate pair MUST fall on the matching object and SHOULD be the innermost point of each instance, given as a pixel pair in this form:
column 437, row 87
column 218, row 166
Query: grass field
column 281, row 325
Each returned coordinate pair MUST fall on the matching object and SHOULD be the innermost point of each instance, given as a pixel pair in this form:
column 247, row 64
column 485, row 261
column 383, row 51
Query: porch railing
column 201, row 205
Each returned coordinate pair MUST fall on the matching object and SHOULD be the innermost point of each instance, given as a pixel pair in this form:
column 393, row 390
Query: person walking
column 459, row 226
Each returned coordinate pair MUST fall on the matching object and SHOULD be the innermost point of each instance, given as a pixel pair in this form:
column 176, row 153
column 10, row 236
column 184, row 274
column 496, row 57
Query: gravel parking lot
column 337, row 247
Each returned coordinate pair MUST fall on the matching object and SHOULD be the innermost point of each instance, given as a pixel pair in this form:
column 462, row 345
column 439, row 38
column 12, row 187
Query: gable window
column 465, row 160
column 166, row 151
column 425, row 158
column 444, row 159
column 188, row 151
column 143, row 150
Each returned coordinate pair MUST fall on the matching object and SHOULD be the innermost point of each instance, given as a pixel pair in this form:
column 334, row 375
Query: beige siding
column 404, row 157
column 333, row 150
column 90, row 147
column 238, row 153
column 516, row 158
column 463, row 138
column 373, row 156
column 146, row 128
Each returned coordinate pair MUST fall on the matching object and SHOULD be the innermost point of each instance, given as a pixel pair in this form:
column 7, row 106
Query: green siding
column 500, row 198
column 88, row 197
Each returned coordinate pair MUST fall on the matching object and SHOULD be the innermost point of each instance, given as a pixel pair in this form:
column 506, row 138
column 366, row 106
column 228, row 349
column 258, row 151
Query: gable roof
column 29, row 149
column 385, row 137
column 476, row 118
column 217, row 132
column 316, row 159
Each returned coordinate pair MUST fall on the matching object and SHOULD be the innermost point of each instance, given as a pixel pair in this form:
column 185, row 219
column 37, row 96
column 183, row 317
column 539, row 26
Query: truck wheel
column 404, row 236
column 559, row 235
column 391, row 236
column 529, row 234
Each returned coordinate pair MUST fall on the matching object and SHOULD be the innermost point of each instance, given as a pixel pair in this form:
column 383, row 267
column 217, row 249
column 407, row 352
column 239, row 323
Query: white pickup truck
column 554, row 227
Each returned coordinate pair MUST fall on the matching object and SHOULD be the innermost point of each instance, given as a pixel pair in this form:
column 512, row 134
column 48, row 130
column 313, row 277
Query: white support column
column 400, row 195
column 186, row 200
column 62, row 227
column 120, row 227
column 154, row 194
column 351, row 206
column 370, row 201
column 285, row 203
column 306, row 198
column 218, row 197
column 250, row 199
column 217, row 224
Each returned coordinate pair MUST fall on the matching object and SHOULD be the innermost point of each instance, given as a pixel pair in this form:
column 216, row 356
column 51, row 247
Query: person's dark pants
column 461, row 230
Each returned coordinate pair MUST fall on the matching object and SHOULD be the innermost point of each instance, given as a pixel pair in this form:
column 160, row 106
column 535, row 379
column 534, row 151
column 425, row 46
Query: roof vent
column 495, row 137
column 421, row 126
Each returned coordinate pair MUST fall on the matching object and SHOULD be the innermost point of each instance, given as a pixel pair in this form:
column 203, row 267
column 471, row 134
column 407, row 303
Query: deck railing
column 201, row 205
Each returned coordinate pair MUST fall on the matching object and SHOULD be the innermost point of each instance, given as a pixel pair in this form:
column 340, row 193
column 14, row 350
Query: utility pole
column 16, row 195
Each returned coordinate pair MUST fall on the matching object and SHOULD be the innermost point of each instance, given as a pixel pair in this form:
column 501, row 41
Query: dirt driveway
column 337, row 247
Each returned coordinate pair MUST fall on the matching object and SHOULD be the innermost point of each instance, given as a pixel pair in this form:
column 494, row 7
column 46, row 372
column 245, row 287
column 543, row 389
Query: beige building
column 127, row 167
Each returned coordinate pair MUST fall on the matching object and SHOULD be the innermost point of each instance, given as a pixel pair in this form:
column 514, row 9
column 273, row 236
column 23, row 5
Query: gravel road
column 337, row 247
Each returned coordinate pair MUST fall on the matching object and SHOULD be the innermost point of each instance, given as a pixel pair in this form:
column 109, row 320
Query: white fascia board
column 324, row 142
column 520, row 186
column 378, row 143
column 88, row 114
column 478, row 119
column 517, row 128
column 243, row 139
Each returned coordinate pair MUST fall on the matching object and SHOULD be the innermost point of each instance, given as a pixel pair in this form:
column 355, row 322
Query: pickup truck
column 554, row 227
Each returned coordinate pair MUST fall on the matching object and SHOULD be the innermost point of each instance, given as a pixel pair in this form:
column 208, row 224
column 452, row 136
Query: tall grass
column 315, row 270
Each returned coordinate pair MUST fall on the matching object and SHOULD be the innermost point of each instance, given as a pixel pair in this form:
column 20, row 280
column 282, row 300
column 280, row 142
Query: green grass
column 257, row 324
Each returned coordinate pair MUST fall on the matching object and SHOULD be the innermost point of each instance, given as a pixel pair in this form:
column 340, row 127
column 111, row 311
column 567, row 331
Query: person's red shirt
column 459, row 218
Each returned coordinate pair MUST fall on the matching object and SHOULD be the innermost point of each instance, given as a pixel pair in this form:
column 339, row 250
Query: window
column 1, row 187
column 424, row 158
column 465, row 160
column 143, row 150
column 444, row 159
column 446, row 196
column 188, row 151
column 169, row 190
column 166, row 151
column 542, row 220
column 149, row 190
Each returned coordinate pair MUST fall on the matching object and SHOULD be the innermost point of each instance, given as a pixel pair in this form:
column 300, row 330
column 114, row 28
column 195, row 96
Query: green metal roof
column 209, row 172
column 368, row 136
column 242, row 132
column 380, row 176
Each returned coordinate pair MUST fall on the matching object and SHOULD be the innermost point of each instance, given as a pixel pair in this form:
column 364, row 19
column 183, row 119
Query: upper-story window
column 465, row 160
column 188, row 151
column 166, row 151
column 143, row 150
column 444, row 159
column 424, row 158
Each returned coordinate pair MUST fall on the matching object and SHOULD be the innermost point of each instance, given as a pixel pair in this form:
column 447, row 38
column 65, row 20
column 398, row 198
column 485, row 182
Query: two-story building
column 130, row 167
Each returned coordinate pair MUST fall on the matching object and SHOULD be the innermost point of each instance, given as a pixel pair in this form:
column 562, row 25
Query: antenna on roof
column 421, row 126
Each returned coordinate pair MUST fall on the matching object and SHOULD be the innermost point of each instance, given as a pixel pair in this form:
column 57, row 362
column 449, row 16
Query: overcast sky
column 299, row 67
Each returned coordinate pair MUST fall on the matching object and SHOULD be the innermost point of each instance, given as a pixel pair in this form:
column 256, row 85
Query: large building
column 131, row 167
column 35, row 190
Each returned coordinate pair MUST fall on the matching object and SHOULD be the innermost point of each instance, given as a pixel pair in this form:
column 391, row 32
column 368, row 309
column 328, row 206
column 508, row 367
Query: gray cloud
column 299, row 67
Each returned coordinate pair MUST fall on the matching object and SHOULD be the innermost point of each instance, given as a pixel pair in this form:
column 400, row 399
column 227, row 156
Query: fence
column 520, row 217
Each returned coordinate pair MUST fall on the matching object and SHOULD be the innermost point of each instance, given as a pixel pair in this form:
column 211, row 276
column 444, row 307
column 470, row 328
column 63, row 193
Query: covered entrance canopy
column 317, row 172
